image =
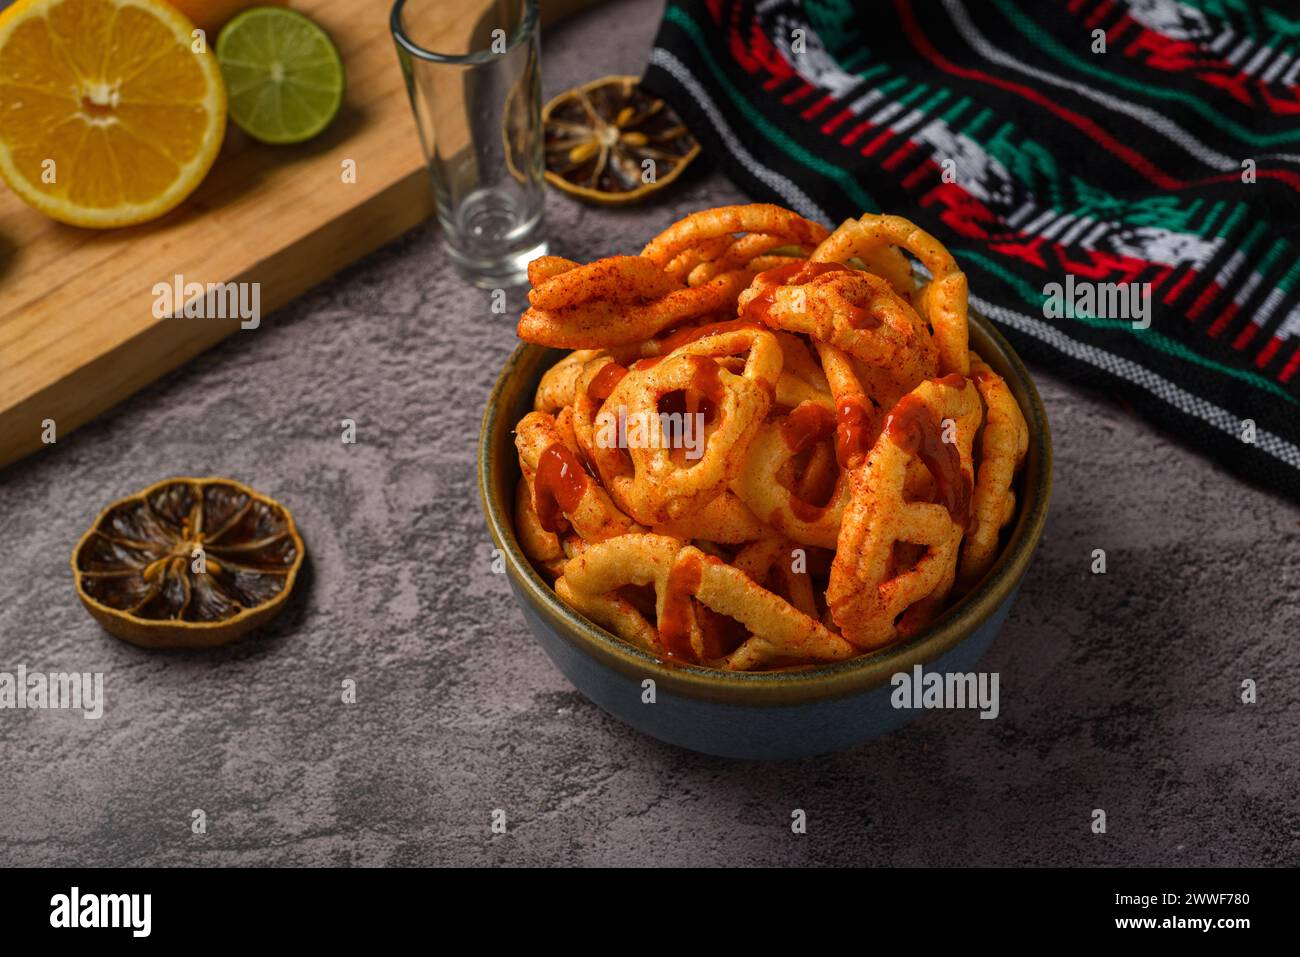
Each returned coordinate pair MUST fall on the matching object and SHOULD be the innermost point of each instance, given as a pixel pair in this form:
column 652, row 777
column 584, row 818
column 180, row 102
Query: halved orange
column 188, row 563
column 111, row 111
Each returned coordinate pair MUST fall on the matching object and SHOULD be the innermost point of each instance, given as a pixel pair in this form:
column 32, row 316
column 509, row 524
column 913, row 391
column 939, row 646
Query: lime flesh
column 284, row 78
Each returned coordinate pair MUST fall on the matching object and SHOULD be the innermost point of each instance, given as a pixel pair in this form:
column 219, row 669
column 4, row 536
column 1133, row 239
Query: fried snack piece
column 760, row 481
column 856, row 312
column 663, row 485
column 726, row 520
column 880, row 589
column 559, row 383
column 800, row 361
column 595, row 381
column 684, row 578
column 562, row 492
column 814, row 480
column 841, row 413
column 711, row 231
column 621, row 279
column 801, row 378
column 683, row 264
column 943, row 300
column 882, row 259
column 548, row 267
column 774, row 553
column 749, row 252
column 615, row 301
column 1003, row 445
column 857, row 417
column 792, row 391
column 542, row 546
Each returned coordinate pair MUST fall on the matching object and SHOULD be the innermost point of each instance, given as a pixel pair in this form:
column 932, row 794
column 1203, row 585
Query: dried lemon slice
column 188, row 563
column 600, row 136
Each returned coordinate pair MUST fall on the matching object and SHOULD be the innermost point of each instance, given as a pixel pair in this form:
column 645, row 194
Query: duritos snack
column 773, row 446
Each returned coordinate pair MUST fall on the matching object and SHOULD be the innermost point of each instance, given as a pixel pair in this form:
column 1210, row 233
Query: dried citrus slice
column 188, row 563
column 109, row 115
column 599, row 137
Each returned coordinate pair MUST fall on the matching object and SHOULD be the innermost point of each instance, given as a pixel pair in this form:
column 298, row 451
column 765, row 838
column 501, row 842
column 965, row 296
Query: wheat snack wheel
column 725, row 520
column 856, row 312
column 748, row 252
column 559, row 384
column 942, row 301
column 684, row 263
column 563, row 494
column 684, row 578
column 759, row 483
column 542, row 546
column 849, row 242
column 615, row 301
column 1004, row 441
column 663, row 485
column 876, row 594
column 713, row 225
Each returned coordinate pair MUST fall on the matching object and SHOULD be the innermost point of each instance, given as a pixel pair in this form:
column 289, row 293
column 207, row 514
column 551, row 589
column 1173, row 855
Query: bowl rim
column 835, row 679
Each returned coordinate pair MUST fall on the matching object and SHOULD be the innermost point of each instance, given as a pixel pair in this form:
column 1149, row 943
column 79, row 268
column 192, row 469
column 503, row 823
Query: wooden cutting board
column 77, row 326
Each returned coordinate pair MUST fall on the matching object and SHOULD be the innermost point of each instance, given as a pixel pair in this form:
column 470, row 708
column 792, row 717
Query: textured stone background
column 1118, row 691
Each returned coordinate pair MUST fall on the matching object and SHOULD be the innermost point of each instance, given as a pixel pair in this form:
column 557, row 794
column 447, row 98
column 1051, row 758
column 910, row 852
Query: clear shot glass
column 472, row 70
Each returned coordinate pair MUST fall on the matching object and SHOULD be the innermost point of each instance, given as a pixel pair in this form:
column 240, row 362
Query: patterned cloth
column 1170, row 157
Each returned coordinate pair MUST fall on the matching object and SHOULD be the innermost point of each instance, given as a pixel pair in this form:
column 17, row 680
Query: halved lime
column 284, row 78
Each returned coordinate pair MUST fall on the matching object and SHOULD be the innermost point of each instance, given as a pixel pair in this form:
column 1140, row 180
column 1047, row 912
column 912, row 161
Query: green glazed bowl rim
column 853, row 676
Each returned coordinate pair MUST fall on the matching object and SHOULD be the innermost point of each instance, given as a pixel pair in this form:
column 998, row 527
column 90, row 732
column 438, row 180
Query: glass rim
column 527, row 27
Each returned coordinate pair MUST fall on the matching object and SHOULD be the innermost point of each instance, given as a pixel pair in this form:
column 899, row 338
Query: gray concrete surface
column 1118, row 692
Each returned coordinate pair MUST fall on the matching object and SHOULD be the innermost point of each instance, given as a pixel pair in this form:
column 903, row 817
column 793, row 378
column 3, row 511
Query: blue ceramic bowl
column 765, row 715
